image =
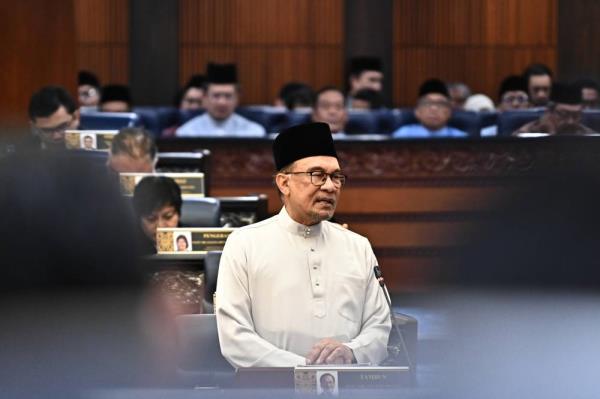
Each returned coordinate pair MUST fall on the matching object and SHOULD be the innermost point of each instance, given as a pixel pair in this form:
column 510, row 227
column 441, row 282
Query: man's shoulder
column 339, row 230
column 189, row 128
column 246, row 124
column 412, row 129
column 257, row 227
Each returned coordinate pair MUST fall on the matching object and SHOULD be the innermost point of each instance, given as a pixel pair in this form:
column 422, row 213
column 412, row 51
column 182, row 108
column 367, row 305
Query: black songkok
column 433, row 86
column 512, row 83
column 87, row 78
column 221, row 73
column 361, row 64
column 565, row 94
column 115, row 93
column 196, row 81
column 302, row 141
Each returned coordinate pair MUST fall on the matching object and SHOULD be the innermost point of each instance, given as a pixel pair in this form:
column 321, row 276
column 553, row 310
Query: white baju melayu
column 283, row 287
column 234, row 126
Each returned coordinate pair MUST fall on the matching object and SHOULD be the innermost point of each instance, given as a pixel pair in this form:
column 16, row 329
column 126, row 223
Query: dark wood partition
column 417, row 201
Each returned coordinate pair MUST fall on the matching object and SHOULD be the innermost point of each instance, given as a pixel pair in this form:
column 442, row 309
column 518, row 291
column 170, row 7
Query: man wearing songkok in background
column 221, row 98
column 365, row 73
column 563, row 115
column 433, row 112
column 297, row 289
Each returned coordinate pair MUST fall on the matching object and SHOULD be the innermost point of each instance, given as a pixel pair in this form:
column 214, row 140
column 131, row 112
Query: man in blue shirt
column 433, row 112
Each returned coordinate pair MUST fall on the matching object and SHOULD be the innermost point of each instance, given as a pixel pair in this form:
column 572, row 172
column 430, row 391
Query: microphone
column 386, row 294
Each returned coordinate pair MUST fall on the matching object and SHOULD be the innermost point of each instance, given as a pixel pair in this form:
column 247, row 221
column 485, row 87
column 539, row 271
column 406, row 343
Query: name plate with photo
column 191, row 240
column 330, row 380
column 191, row 184
column 90, row 140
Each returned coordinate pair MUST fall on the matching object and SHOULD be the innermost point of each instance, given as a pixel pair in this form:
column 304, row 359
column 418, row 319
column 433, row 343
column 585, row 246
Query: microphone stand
column 386, row 294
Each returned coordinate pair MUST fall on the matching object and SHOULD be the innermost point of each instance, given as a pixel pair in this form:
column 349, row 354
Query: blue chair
column 591, row 118
column 109, row 120
column 509, row 121
column 296, row 118
column 388, row 120
column 361, row 122
column 156, row 119
column 201, row 212
column 270, row 118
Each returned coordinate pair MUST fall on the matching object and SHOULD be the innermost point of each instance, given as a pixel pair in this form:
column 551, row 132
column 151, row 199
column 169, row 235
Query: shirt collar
column 296, row 228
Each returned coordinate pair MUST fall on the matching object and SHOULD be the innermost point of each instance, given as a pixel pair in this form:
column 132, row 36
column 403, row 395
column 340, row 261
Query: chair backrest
column 361, row 122
column 156, row 119
column 509, row 121
column 591, row 118
column 109, row 120
column 201, row 212
column 211, row 273
column 200, row 361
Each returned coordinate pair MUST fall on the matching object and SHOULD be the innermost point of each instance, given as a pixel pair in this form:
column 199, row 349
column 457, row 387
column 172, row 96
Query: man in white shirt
column 297, row 289
column 221, row 99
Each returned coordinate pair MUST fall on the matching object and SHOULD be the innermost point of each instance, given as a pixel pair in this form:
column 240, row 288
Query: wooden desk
column 414, row 199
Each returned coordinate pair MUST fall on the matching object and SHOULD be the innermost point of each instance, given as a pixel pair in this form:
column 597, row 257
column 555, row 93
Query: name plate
column 331, row 380
column 191, row 184
column 90, row 140
column 191, row 240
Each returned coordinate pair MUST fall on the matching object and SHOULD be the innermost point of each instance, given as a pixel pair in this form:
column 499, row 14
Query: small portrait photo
column 327, row 383
column 88, row 141
column 183, row 241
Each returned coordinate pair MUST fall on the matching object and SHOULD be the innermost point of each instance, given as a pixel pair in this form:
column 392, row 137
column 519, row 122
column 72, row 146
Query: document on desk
column 333, row 379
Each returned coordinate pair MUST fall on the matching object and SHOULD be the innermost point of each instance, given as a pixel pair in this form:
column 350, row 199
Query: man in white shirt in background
column 297, row 289
column 221, row 99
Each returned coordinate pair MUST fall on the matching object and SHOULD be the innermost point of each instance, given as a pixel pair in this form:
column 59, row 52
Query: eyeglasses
column 318, row 177
column 520, row 99
column 57, row 129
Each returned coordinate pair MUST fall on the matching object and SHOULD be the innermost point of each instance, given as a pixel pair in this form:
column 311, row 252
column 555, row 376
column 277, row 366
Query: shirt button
column 314, row 268
column 312, row 250
column 317, row 284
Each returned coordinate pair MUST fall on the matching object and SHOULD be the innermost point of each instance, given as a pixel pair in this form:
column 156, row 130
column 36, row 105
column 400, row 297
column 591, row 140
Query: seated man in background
column 157, row 203
column 52, row 111
column 433, row 112
column 220, row 119
column 563, row 115
column 88, row 90
column 365, row 73
column 295, row 96
column 590, row 93
column 512, row 95
column 115, row 98
column 459, row 93
column 329, row 307
column 367, row 99
column 538, row 78
column 191, row 97
column 329, row 108
column 132, row 151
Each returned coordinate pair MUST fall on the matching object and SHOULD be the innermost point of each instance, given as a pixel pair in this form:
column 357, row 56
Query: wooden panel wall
column 36, row 49
column 475, row 41
column 102, row 35
column 272, row 42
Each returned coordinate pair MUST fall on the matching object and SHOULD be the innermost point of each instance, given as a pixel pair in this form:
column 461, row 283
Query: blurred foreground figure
column 71, row 294
column 524, row 300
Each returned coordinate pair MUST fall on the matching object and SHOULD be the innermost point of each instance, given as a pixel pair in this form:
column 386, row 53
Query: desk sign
column 191, row 184
column 90, row 140
column 191, row 240
column 330, row 380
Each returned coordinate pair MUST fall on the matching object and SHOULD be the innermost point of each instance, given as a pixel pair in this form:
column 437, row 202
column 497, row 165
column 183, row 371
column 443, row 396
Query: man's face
column 328, row 383
column 123, row 163
column 366, row 80
column 330, row 108
column 589, row 97
column 539, row 90
column 51, row 129
column 221, row 100
column 433, row 111
column 566, row 117
column 192, row 99
column 166, row 216
column 88, row 96
column 114, row 106
column 515, row 99
column 458, row 97
column 88, row 143
column 304, row 201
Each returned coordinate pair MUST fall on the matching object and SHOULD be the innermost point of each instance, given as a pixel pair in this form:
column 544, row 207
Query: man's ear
column 282, row 182
column 76, row 117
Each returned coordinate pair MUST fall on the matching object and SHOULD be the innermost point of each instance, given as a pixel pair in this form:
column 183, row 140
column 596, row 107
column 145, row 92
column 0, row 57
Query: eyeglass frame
column 330, row 176
column 62, row 128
